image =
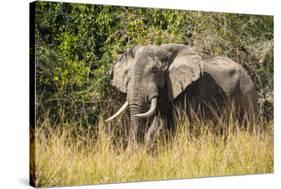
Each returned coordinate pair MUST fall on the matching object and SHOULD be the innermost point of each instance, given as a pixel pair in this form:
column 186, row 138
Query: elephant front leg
column 153, row 132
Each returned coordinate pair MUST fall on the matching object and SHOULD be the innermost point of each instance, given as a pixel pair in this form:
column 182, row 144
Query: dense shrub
column 76, row 44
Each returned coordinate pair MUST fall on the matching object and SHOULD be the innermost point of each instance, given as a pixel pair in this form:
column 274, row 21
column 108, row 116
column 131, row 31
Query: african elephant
column 156, row 77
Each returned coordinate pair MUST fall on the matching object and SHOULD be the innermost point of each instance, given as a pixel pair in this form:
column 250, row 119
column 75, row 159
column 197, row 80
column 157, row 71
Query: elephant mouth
column 149, row 113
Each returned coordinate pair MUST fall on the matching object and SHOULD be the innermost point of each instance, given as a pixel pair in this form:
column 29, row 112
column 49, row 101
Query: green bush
column 76, row 44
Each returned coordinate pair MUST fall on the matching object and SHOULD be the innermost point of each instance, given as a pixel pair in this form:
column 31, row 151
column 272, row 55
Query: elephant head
column 149, row 74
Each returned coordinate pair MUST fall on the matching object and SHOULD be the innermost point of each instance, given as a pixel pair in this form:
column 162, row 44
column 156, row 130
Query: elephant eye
column 154, row 70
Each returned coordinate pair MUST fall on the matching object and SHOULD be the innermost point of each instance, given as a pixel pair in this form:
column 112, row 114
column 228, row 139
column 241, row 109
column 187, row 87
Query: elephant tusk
column 123, row 108
column 151, row 111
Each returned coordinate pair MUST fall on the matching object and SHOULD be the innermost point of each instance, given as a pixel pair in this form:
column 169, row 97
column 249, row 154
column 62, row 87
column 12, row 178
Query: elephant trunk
column 135, row 108
column 137, row 115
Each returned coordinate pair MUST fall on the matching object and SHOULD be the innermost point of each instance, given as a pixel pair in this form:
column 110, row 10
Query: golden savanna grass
column 71, row 156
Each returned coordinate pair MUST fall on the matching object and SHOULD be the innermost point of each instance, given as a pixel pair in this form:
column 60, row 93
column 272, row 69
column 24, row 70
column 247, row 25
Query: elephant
column 155, row 78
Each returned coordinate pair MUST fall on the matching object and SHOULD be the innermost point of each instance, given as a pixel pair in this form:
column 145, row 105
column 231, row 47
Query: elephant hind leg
column 249, row 100
column 250, row 106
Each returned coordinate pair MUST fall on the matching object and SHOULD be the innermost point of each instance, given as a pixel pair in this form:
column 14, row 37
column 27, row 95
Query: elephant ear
column 121, row 68
column 185, row 68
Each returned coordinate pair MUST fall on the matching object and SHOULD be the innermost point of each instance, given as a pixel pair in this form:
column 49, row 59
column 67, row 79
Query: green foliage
column 76, row 44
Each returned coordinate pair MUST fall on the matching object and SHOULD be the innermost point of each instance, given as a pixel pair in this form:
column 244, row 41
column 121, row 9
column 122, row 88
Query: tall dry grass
column 67, row 155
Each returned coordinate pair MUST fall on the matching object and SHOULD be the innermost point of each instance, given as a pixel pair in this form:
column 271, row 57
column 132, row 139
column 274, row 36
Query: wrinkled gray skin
column 171, row 73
